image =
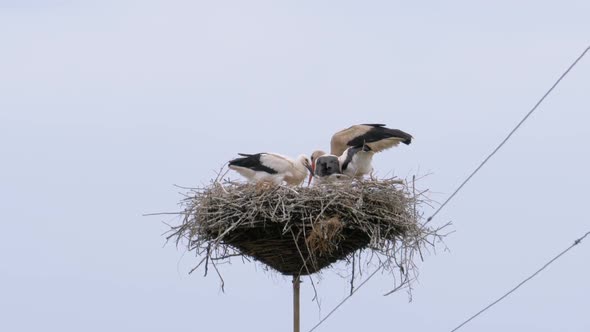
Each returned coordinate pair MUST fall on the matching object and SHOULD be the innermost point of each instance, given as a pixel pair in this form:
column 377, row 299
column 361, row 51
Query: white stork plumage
column 271, row 167
column 356, row 145
column 356, row 161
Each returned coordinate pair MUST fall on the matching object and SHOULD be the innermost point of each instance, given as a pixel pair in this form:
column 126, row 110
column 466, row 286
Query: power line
column 467, row 180
column 576, row 242
column 511, row 132
column 346, row 298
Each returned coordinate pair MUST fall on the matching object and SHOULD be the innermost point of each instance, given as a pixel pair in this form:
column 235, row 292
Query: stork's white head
column 302, row 166
column 303, row 160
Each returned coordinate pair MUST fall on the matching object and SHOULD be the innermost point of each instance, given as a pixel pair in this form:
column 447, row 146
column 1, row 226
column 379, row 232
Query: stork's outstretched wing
column 376, row 136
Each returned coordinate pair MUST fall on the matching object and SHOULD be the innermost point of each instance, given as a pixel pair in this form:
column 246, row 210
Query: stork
column 356, row 161
column 271, row 167
column 325, row 167
column 376, row 136
column 356, row 145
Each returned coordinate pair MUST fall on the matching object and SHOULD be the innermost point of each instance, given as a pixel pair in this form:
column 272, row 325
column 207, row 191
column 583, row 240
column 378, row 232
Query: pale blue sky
column 105, row 104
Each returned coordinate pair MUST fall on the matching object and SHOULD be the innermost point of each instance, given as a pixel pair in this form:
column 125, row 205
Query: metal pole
column 296, row 282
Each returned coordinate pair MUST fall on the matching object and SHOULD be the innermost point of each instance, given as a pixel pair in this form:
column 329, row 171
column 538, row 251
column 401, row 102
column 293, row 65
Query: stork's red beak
column 311, row 171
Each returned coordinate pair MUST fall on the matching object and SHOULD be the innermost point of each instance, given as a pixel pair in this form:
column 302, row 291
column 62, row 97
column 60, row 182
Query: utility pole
column 296, row 283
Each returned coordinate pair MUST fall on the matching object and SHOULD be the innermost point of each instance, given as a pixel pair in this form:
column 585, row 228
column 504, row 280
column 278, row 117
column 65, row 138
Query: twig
column 352, row 277
column 220, row 277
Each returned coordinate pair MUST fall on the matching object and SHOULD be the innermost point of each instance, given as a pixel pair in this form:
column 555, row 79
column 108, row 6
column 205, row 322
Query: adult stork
column 356, row 145
column 271, row 167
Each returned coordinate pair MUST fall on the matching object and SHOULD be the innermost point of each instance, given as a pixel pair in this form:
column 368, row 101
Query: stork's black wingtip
column 374, row 124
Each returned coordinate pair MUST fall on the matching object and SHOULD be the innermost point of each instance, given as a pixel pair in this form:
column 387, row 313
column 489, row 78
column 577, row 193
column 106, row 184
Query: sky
column 106, row 105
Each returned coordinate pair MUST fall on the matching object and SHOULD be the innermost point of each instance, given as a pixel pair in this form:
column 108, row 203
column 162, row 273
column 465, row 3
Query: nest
column 300, row 231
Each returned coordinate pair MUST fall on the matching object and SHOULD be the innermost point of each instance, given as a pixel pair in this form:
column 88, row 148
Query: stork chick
column 324, row 167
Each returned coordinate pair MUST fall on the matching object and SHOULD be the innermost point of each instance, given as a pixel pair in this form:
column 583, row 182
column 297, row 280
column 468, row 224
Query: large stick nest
column 299, row 231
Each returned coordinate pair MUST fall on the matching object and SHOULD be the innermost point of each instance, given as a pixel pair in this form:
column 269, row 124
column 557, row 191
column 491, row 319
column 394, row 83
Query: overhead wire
column 576, row 242
column 510, row 134
column 528, row 114
column 345, row 299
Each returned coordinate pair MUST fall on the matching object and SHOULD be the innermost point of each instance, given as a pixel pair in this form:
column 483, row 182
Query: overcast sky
column 104, row 105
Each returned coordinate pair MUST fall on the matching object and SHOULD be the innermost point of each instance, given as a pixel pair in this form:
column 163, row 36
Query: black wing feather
column 252, row 161
column 379, row 132
column 374, row 124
